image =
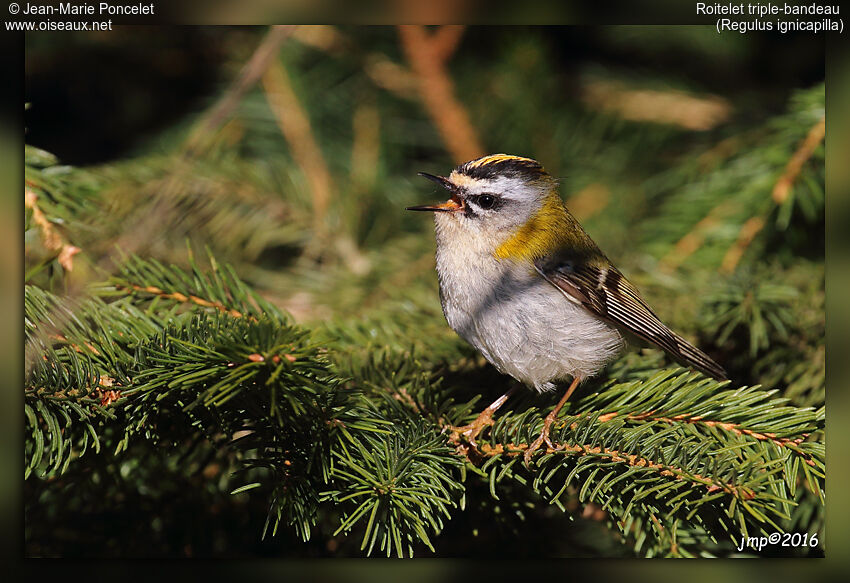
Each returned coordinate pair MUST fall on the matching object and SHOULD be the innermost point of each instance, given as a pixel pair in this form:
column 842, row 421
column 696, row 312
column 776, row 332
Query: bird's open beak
column 454, row 204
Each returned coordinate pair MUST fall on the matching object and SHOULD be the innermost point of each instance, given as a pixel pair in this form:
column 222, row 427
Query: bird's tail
column 692, row 356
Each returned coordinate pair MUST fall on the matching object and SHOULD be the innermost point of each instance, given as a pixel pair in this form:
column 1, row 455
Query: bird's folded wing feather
column 607, row 293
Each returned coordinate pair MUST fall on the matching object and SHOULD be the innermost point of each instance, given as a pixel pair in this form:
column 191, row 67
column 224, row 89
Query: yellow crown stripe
column 494, row 158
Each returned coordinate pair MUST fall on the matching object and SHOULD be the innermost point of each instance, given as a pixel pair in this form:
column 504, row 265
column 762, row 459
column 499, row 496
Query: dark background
column 95, row 98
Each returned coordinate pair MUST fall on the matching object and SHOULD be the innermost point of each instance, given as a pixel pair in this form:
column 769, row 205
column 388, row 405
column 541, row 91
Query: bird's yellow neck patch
column 543, row 232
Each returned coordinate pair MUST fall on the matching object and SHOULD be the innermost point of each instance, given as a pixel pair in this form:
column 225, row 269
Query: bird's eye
column 486, row 201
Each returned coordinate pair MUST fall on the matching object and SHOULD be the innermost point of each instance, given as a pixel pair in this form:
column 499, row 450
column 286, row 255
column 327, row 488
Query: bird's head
column 507, row 200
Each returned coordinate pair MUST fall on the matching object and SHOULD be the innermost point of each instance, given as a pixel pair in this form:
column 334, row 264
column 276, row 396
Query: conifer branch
column 675, row 441
column 780, row 193
column 219, row 289
column 795, row 164
column 637, row 447
column 692, row 214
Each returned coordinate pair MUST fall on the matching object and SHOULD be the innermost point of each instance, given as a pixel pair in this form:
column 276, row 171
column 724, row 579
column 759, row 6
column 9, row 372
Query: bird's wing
column 603, row 290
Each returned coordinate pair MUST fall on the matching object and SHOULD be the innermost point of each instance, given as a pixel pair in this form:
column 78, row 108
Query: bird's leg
column 485, row 418
column 547, row 423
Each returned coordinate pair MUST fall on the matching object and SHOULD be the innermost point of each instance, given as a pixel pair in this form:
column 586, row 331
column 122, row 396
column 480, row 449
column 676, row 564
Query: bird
column 523, row 283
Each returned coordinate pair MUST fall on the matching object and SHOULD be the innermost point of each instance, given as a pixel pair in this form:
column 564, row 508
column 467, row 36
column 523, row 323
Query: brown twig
column 382, row 71
column 250, row 74
column 694, row 239
column 391, row 76
column 181, row 298
column 516, row 449
column 432, row 12
column 780, row 193
column 719, row 152
column 53, row 240
column 104, row 391
column 445, row 40
column 699, row 420
column 748, row 232
column 295, row 127
column 61, row 338
column 795, row 164
column 324, row 37
column 427, row 55
column 698, row 113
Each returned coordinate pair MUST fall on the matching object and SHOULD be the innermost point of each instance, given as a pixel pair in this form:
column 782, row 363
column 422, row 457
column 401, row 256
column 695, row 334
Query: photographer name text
column 98, row 9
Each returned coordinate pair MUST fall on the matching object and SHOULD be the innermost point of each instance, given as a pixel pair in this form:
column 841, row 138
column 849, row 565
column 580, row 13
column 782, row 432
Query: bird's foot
column 547, row 424
column 470, row 432
column 484, row 419
column 541, row 439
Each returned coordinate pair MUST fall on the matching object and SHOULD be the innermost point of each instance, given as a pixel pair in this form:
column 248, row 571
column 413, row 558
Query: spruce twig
column 427, row 56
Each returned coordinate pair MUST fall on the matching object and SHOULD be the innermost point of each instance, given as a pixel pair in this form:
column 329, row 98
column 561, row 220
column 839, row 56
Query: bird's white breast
column 521, row 323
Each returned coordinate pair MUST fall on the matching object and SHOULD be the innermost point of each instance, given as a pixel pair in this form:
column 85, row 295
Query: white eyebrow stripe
column 509, row 188
column 512, row 188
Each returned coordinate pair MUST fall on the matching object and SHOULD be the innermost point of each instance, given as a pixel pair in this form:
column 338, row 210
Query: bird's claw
column 473, row 430
column 541, row 439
